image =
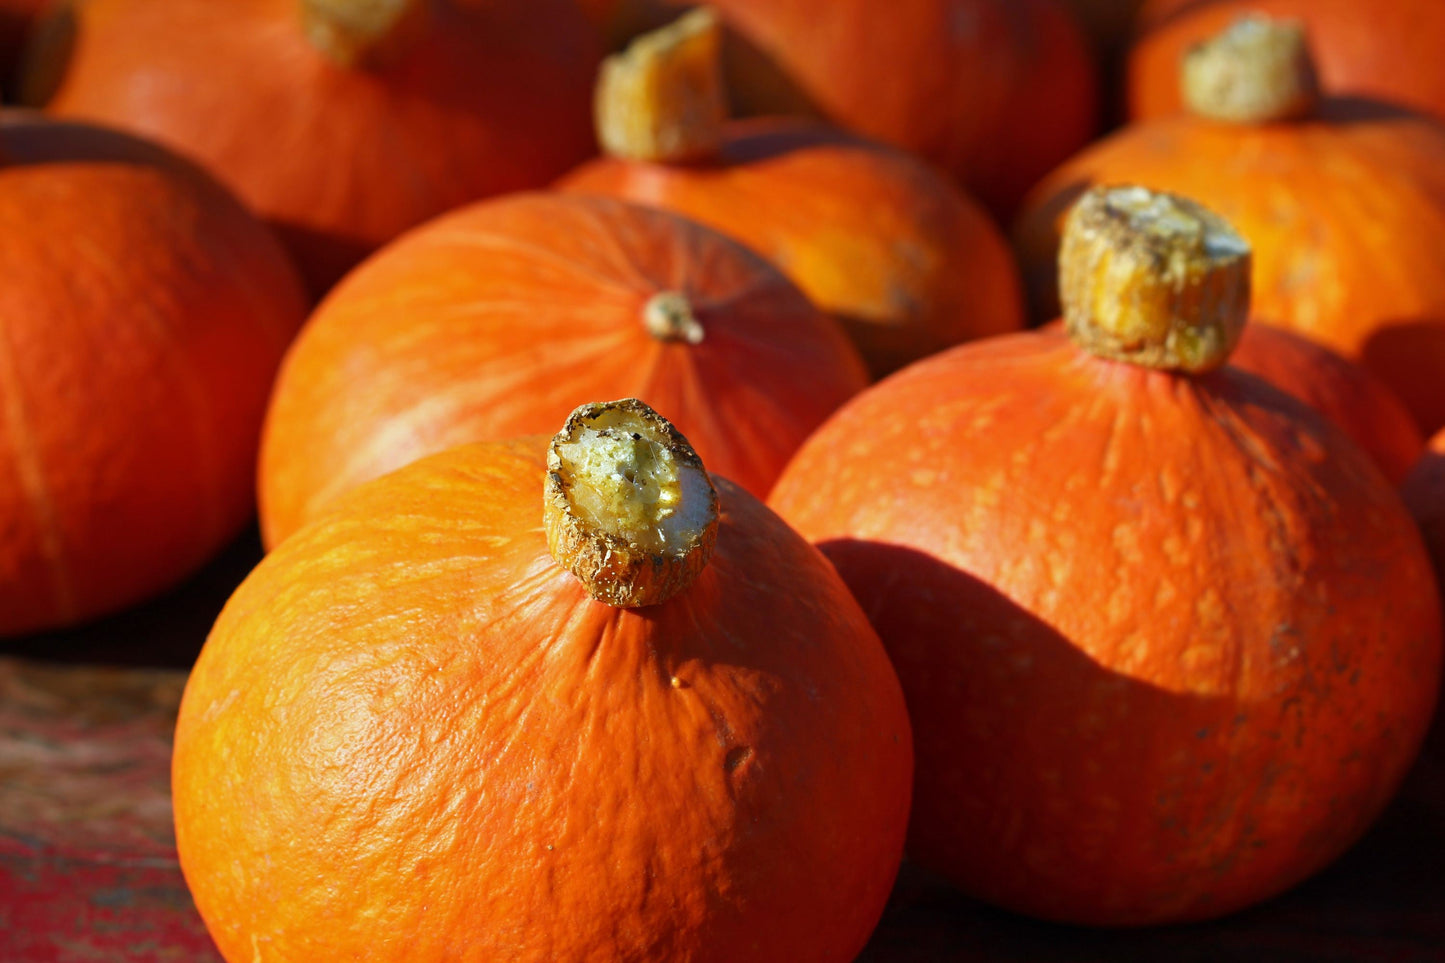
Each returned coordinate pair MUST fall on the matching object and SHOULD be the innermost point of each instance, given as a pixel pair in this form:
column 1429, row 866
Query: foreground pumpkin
column 144, row 314
column 343, row 122
column 1290, row 170
column 1387, row 50
column 1169, row 640
column 881, row 241
column 414, row 721
column 995, row 92
column 497, row 320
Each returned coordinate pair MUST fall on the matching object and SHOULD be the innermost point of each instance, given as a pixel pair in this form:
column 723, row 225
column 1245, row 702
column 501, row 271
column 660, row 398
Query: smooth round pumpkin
column 1344, row 209
column 1169, row 641
column 340, row 142
column 1387, row 50
column 498, row 319
column 416, row 723
column 996, row 92
column 144, row 314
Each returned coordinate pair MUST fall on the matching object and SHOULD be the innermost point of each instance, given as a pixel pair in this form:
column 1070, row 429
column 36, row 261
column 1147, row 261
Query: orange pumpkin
column 145, row 312
column 498, row 319
column 413, row 721
column 1169, row 640
column 878, row 239
column 1344, row 207
column 1387, row 50
column 996, row 92
column 343, row 122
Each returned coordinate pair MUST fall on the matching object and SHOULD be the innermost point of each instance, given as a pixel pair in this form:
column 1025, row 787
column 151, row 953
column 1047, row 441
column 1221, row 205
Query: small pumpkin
column 1387, row 50
column 1168, row 638
column 343, row 122
column 995, row 92
column 498, row 319
column 881, row 241
column 655, row 727
column 144, row 314
column 1289, row 169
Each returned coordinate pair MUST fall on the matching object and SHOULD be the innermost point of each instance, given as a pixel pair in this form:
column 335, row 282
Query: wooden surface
column 88, row 869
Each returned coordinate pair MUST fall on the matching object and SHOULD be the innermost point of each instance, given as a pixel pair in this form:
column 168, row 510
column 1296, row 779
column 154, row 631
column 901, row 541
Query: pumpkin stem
column 362, row 33
column 628, row 507
column 662, row 99
column 668, row 317
column 1257, row 71
column 1153, row 279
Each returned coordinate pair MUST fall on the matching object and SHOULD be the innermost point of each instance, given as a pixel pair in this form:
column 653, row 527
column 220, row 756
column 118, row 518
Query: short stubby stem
column 628, row 507
column 663, row 99
column 668, row 316
column 1153, row 279
column 362, row 33
column 1257, row 71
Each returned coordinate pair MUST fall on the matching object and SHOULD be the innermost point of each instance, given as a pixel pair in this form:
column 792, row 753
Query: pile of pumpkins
column 661, row 542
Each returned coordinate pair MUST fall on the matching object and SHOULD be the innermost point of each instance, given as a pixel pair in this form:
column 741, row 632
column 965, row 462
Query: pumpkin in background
column 1343, row 202
column 343, row 122
column 16, row 16
column 1168, row 638
column 1387, row 50
column 144, row 314
column 656, row 727
column 996, row 92
column 875, row 237
column 498, row 319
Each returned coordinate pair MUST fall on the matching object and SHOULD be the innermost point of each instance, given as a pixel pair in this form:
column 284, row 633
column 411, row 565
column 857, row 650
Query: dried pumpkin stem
column 668, row 317
column 362, row 33
column 1153, row 279
column 662, row 99
column 1257, row 71
column 628, row 507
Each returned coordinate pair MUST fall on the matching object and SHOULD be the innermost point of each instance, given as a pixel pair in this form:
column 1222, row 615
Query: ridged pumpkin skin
column 995, row 92
column 1388, row 50
column 499, row 319
column 489, row 98
column 1168, row 644
column 145, row 313
column 1345, row 214
column 878, row 239
column 416, row 725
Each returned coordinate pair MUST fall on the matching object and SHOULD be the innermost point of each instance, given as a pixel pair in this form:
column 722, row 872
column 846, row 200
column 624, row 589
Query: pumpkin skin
column 145, row 313
column 996, row 92
column 497, row 320
column 1168, row 643
column 1366, row 279
column 1388, row 51
column 412, row 701
column 489, row 98
column 904, row 260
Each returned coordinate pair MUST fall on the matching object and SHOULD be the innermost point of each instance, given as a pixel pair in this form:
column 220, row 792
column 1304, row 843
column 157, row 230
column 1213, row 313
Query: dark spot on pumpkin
column 737, row 756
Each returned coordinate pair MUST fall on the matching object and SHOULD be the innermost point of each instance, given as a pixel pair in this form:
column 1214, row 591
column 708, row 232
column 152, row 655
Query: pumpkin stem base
column 362, row 33
column 1257, row 71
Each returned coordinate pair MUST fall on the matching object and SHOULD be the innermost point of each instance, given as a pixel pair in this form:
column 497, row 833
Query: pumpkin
column 996, row 92
column 655, row 727
column 876, row 238
column 16, row 17
column 343, row 122
column 1386, row 51
column 1344, row 205
column 145, row 312
column 498, row 319
column 1168, row 638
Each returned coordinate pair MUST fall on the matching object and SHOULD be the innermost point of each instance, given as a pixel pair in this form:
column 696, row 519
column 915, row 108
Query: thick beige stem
column 662, row 99
column 1257, row 71
column 363, row 33
column 628, row 507
column 1153, row 279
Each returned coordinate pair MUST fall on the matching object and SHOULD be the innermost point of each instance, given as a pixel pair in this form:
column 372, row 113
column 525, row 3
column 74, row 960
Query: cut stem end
column 1257, row 71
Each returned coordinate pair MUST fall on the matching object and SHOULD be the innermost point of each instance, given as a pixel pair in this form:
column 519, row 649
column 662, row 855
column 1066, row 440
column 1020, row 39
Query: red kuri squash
column 1169, row 639
column 1343, row 202
column 144, row 314
column 878, row 239
column 343, row 122
column 498, row 319
column 413, row 721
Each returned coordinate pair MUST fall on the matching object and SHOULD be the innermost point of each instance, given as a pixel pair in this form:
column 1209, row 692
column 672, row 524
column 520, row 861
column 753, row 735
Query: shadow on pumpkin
column 1409, row 355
